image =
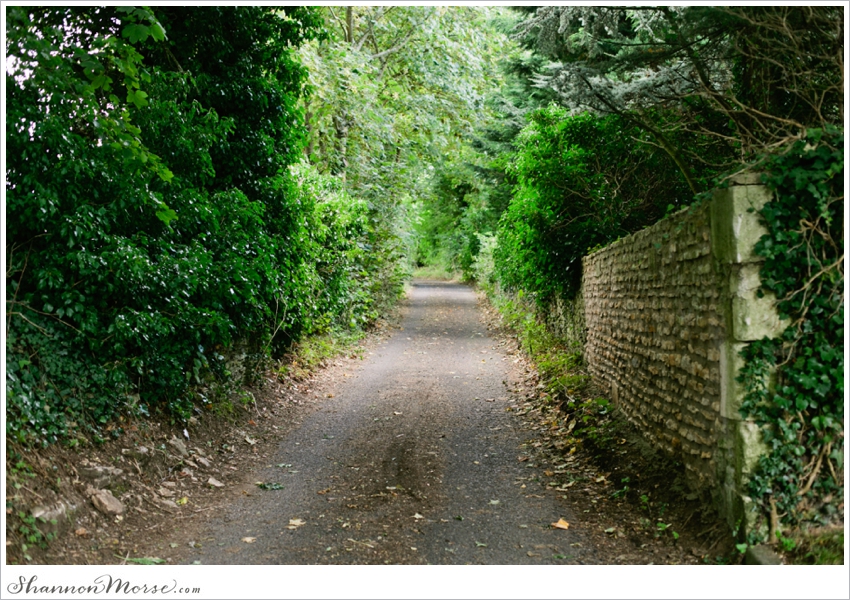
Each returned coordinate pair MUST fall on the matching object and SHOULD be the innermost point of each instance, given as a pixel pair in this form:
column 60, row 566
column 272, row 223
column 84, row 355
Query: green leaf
column 142, row 561
column 101, row 81
column 136, row 33
column 157, row 32
column 165, row 174
column 166, row 215
column 137, row 97
column 270, row 486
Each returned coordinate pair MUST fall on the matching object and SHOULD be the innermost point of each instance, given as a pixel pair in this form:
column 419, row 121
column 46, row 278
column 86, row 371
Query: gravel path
column 413, row 460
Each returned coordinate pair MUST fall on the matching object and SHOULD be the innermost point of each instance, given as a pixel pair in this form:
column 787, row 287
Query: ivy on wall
column 801, row 410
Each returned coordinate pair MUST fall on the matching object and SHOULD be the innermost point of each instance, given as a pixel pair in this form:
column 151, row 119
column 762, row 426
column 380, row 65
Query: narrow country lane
column 413, row 461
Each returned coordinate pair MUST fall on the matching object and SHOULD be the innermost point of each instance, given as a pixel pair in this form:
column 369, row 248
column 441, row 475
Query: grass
column 818, row 548
column 311, row 353
column 435, row 272
column 560, row 367
column 304, row 358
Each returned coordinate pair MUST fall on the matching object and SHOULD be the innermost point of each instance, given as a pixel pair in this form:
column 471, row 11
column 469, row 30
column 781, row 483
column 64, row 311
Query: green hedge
column 152, row 214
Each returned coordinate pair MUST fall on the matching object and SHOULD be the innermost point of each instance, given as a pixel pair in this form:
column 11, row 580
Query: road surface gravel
column 414, row 458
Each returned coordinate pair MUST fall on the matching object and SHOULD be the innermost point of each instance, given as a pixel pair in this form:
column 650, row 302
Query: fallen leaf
column 173, row 544
column 182, row 501
column 214, row 482
column 418, row 516
column 561, row 524
column 249, row 540
column 296, row 523
column 530, row 553
column 147, row 560
column 270, row 486
column 250, row 441
column 81, row 532
column 494, row 502
column 600, row 479
column 397, row 413
column 611, row 530
column 490, row 400
column 324, row 491
column 480, row 545
column 521, row 458
column 548, row 473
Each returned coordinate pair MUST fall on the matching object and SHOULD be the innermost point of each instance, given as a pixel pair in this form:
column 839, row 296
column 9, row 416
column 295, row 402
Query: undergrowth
column 565, row 385
column 436, row 271
column 312, row 353
column 818, row 548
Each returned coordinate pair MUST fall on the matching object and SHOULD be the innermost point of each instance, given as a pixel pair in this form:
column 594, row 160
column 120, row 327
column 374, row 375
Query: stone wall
column 655, row 326
column 667, row 312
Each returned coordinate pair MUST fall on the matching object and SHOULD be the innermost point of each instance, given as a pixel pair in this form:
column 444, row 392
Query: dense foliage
column 745, row 80
column 466, row 195
column 393, row 94
column 802, row 410
column 153, row 221
column 581, row 181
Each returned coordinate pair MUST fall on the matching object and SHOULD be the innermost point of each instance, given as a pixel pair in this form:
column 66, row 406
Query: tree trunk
column 349, row 23
column 308, row 150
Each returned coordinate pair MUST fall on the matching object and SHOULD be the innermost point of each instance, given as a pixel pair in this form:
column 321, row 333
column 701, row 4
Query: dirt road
column 414, row 460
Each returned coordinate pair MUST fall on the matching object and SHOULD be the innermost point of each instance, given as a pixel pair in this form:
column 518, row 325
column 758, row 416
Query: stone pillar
column 735, row 229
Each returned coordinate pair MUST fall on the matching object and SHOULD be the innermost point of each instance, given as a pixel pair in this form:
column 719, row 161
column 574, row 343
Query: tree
column 736, row 80
column 393, row 92
column 730, row 89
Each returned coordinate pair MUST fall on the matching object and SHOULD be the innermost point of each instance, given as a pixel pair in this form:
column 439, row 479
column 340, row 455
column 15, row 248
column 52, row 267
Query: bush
column 128, row 278
column 582, row 181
